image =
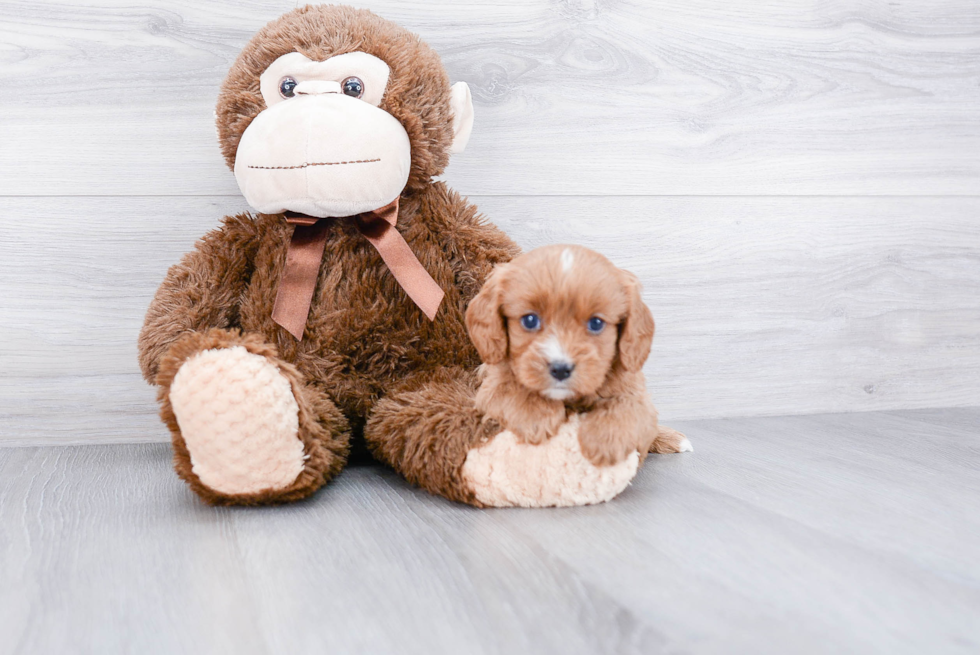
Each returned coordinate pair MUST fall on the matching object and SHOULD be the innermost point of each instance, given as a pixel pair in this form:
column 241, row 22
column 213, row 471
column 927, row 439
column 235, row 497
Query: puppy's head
column 562, row 317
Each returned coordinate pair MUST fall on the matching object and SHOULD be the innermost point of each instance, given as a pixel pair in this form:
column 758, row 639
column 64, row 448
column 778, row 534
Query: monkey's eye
column 530, row 322
column 595, row 325
column 353, row 87
column 287, row 86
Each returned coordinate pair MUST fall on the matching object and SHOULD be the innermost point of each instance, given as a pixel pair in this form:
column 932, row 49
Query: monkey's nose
column 561, row 370
column 316, row 87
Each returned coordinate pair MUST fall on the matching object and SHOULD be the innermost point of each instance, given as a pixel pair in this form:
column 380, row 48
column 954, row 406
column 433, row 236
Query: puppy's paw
column 604, row 442
column 535, row 435
column 539, row 427
column 670, row 441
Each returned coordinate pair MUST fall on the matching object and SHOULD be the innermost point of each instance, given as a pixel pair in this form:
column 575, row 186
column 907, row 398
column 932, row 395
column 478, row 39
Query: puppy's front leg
column 616, row 427
column 528, row 415
column 537, row 419
column 532, row 418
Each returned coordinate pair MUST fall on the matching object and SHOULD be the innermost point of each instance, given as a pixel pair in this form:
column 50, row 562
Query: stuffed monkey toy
column 336, row 311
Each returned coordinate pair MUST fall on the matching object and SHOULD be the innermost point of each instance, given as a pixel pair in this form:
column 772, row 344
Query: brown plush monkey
column 329, row 111
column 338, row 310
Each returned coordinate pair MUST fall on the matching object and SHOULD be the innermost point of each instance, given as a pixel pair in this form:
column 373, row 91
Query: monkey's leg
column 429, row 431
column 247, row 428
column 425, row 427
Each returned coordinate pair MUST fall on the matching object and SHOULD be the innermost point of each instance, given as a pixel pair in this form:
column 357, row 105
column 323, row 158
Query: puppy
column 561, row 330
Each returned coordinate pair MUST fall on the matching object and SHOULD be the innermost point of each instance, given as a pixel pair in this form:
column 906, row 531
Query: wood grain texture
column 763, row 305
column 847, row 534
column 109, row 171
column 573, row 96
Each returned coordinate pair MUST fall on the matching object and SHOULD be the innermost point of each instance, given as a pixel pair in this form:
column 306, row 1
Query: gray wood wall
column 797, row 184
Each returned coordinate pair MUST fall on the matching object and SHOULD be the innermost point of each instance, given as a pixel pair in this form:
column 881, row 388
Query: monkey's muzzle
column 324, row 155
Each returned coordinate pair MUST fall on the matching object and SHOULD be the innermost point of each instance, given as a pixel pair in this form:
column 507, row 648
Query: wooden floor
column 833, row 533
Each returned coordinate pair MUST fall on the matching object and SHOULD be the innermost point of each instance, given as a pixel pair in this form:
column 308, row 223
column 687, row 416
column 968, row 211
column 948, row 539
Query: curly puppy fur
column 364, row 337
column 565, row 287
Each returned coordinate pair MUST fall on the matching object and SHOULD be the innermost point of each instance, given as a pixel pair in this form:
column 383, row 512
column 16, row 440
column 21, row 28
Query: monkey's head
column 332, row 111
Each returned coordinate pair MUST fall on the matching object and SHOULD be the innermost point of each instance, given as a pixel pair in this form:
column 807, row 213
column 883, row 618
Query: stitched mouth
column 318, row 163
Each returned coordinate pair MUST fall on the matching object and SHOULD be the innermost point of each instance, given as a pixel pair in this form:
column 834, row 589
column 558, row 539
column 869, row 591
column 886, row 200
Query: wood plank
column 764, row 305
column 96, row 539
column 803, row 534
column 868, row 466
column 575, row 97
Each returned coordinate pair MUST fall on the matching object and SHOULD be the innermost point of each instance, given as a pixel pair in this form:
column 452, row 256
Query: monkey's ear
column 486, row 325
column 462, row 104
column 636, row 331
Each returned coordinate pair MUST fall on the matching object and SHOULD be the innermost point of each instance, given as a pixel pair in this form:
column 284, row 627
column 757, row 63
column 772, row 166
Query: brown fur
column 426, row 427
column 364, row 337
column 606, row 385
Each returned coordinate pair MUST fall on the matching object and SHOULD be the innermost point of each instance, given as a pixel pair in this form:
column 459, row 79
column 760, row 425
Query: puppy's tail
column 670, row 441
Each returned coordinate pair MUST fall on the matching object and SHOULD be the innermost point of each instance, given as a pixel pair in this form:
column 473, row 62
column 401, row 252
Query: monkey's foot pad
column 239, row 420
column 507, row 473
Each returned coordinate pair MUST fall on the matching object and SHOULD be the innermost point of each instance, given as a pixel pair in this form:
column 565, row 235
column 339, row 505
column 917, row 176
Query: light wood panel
column 845, row 534
column 763, row 305
column 573, row 97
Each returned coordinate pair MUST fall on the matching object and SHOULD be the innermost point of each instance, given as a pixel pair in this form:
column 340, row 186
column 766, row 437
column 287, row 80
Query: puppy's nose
column 561, row 370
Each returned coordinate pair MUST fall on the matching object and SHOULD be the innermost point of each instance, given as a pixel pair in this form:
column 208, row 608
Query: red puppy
column 561, row 330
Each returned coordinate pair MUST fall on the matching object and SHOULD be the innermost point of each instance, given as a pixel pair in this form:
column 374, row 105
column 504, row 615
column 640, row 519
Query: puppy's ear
column 636, row 331
column 485, row 323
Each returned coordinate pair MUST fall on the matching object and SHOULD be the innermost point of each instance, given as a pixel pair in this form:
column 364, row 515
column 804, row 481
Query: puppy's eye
column 353, row 87
column 595, row 325
column 286, row 87
column 530, row 322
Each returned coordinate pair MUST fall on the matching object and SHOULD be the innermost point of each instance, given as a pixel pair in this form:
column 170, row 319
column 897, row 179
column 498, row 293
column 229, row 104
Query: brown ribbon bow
column 305, row 253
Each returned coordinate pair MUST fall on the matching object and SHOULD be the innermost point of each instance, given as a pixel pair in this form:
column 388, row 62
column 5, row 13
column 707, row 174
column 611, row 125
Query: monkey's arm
column 474, row 245
column 200, row 292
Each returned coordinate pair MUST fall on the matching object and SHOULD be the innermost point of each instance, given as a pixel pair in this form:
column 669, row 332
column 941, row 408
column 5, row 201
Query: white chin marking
column 567, row 259
column 558, row 394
